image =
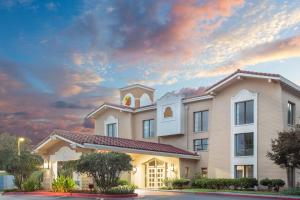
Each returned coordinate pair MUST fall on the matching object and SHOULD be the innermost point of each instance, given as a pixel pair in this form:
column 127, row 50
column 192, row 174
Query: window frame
column 149, row 128
column 202, row 144
column 244, row 171
column 244, row 114
column 293, row 110
column 115, row 129
column 235, row 144
column 201, row 121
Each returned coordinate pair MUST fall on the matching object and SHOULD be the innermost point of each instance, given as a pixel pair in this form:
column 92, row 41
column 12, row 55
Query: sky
column 61, row 59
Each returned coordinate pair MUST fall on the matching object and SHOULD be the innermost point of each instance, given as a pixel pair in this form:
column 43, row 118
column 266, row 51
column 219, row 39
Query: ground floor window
column 204, row 172
column 243, row 171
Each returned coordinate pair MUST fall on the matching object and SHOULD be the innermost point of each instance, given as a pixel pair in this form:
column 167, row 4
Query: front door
column 156, row 171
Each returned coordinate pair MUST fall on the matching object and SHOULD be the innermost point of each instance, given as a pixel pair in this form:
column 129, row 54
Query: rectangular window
column 243, row 171
column 201, row 121
column 244, row 112
column 111, row 130
column 148, row 128
column 200, row 144
column 291, row 113
column 244, row 144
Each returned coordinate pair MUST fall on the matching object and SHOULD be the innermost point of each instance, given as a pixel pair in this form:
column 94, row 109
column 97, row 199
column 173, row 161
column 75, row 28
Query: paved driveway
column 144, row 195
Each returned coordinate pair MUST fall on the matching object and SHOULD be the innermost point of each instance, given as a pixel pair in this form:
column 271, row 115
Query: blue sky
column 80, row 52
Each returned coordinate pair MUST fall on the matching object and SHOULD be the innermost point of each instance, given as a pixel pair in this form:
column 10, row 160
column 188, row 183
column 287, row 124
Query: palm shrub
column 63, row 184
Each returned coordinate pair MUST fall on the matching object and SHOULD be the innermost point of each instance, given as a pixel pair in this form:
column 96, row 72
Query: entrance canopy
column 98, row 142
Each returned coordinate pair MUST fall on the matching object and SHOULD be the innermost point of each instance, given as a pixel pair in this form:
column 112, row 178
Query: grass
column 233, row 191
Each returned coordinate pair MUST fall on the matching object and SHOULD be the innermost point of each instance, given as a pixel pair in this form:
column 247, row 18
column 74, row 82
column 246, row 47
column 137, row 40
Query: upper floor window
column 201, row 121
column 111, row 130
column 244, row 112
column 244, row 144
column 148, row 128
column 243, row 171
column 291, row 113
column 201, row 144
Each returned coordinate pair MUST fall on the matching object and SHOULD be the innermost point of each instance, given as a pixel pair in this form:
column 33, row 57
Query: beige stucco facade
column 270, row 94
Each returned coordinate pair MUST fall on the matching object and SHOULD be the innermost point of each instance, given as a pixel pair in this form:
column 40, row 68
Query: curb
column 79, row 195
column 256, row 196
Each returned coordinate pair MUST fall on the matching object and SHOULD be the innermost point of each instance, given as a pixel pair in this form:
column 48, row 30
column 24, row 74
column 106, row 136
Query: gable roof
column 84, row 140
column 137, row 86
column 252, row 74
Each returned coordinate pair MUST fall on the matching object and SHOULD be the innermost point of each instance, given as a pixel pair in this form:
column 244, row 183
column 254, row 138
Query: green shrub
column 63, row 184
column 180, row 183
column 121, row 189
column 30, row 185
column 168, row 183
column 291, row 191
column 266, row 182
column 242, row 183
column 277, row 184
column 122, row 182
column 246, row 183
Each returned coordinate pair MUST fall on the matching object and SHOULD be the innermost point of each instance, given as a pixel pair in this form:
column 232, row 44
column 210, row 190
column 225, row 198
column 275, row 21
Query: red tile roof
column 81, row 138
column 243, row 72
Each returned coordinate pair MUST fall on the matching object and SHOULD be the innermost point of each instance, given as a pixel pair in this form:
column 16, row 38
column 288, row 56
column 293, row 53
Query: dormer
column 136, row 96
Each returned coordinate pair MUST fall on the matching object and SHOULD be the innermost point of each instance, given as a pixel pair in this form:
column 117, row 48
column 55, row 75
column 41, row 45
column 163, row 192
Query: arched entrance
column 155, row 173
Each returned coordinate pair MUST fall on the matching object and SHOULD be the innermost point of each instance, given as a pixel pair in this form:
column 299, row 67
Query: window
column 244, row 112
column 200, row 144
column 111, row 130
column 291, row 113
column 204, row 172
column 200, row 121
column 244, row 144
column 148, row 128
column 243, row 171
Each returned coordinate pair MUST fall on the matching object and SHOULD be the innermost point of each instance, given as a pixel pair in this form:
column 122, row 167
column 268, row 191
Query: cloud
column 51, row 6
column 189, row 92
column 63, row 104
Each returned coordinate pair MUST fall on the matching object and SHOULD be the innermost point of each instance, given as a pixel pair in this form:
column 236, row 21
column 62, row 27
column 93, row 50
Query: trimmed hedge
column 180, row 183
column 121, row 189
column 209, row 183
column 272, row 183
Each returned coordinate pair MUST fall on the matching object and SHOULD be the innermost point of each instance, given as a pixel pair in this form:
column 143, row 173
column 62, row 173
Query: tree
column 286, row 153
column 105, row 168
column 21, row 167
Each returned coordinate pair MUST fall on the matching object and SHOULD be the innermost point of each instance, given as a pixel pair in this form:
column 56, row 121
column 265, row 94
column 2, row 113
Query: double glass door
column 156, row 171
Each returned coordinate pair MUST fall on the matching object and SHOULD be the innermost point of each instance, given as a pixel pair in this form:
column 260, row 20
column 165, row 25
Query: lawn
column 232, row 191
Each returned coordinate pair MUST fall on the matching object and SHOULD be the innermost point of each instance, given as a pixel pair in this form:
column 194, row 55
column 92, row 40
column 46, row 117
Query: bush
column 121, row 189
column 168, row 184
column 291, row 191
column 180, row 183
column 30, row 185
column 277, row 184
column 122, row 182
column 242, row 183
column 246, row 183
column 272, row 183
column 63, row 184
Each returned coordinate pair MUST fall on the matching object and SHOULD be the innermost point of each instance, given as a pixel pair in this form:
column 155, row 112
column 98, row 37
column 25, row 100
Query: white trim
column 240, row 74
column 290, row 83
column 139, row 151
column 137, row 86
column 198, row 98
column 107, row 106
column 145, row 109
column 244, row 95
column 111, row 120
column 42, row 144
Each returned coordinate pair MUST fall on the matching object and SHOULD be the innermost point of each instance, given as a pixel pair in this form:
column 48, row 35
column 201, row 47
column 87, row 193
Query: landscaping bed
column 80, row 194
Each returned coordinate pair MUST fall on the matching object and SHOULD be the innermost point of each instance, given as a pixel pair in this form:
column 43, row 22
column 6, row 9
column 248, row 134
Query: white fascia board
column 199, row 98
column 107, row 106
column 138, row 151
column 139, row 86
column 290, row 83
column 242, row 75
column 145, row 109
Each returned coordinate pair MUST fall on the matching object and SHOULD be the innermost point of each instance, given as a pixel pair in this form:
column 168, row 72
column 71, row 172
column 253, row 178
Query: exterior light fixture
column 134, row 169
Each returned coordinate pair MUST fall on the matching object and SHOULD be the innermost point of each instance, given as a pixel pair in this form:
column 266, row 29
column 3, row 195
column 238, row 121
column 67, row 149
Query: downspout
column 186, row 126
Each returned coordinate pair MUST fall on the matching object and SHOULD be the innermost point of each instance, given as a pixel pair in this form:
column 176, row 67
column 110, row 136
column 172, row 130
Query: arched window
column 145, row 100
column 128, row 100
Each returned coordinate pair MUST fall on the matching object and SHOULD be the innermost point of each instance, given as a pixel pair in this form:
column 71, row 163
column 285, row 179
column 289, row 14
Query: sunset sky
column 61, row 59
